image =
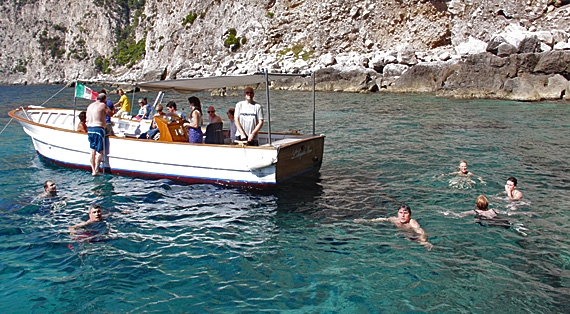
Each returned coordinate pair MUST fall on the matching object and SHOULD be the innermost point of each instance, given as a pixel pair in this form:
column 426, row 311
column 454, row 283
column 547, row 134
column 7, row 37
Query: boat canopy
column 192, row 85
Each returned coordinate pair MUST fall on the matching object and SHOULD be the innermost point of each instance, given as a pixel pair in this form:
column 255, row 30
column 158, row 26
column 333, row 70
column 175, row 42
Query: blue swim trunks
column 96, row 137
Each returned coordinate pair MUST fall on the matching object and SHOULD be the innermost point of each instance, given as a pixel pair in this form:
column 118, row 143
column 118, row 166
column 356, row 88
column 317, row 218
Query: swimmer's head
column 95, row 213
column 404, row 214
column 513, row 180
column 482, row 203
column 49, row 186
column 462, row 166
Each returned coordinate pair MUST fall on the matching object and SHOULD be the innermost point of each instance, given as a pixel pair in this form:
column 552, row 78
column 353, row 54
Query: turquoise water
column 202, row 248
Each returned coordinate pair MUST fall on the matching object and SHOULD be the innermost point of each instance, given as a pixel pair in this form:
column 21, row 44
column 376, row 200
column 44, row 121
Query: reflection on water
column 203, row 248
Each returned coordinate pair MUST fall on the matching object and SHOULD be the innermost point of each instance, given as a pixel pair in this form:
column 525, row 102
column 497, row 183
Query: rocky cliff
column 466, row 48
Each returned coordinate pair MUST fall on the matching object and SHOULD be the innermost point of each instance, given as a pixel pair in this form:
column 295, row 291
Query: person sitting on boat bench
column 96, row 130
column 82, row 127
column 123, row 103
column 214, row 118
column 144, row 110
column 248, row 118
column 171, row 108
column 150, row 134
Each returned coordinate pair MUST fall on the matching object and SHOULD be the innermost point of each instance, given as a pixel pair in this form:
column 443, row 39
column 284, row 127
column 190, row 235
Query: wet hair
column 94, row 206
column 195, row 101
column 232, row 111
column 406, row 208
column 171, row 104
column 482, row 202
column 513, row 180
column 461, row 162
column 102, row 97
column 82, row 116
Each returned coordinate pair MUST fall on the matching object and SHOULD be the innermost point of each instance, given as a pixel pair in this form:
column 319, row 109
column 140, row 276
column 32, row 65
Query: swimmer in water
column 484, row 214
column 50, row 190
column 511, row 189
column 463, row 172
column 94, row 217
column 404, row 222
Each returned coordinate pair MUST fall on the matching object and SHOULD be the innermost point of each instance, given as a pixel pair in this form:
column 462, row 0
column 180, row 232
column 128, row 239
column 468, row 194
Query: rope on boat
column 6, row 126
column 66, row 85
column 45, row 102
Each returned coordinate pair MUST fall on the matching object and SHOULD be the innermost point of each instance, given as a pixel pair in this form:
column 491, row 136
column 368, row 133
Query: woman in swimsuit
column 482, row 211
column 195, row 134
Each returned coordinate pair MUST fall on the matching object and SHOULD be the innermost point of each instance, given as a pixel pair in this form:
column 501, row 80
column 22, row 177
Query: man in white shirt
column 248, row 118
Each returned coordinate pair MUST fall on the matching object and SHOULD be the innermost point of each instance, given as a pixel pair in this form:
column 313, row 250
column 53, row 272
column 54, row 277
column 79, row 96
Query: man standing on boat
column 248, row 118
column 96, row 113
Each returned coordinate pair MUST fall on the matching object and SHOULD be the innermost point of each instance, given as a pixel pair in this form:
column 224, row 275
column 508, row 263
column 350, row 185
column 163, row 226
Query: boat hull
column 265, row 166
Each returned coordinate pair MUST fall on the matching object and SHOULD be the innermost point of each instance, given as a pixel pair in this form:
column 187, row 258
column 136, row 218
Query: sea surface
column 209, row 249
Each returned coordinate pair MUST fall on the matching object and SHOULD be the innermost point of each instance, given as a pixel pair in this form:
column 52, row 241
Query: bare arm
column 421, row 234
column 195, row 119
column 257, row 128
column 371, row 220
column 239, row 128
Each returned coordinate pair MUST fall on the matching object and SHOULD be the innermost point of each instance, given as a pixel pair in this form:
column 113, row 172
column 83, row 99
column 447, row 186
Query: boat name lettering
column 301, row 151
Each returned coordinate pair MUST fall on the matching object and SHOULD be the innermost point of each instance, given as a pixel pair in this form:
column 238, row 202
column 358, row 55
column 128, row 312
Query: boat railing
column 60, row 118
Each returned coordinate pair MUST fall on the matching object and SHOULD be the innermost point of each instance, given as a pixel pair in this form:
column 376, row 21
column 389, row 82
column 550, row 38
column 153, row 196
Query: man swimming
column 404, row 222
column 511, row 189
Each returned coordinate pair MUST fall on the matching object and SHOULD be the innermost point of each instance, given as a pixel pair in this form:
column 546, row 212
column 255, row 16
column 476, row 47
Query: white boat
column 280, row 156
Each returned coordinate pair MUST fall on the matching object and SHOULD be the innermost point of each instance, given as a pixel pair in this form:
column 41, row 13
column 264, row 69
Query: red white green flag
column 82, row 91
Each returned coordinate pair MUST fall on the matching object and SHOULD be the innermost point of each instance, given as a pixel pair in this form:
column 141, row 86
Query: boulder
column 554, row 62
column 493, row 46
column 327, row 60
column 562, row 46
column 505, row 49
column 529, row 45
column 425, row 77
column 407, row 55
column 472, row 46
column 394, row 69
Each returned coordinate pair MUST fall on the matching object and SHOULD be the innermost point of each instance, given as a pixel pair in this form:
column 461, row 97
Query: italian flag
column 82, row 91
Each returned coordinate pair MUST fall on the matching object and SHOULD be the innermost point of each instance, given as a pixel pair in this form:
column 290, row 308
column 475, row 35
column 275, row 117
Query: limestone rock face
column 360, row 45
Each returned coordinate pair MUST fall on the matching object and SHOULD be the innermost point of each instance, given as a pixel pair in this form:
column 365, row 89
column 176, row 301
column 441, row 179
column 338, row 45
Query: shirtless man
column 50, row 190
column 214, row 118
column 511, row 189
column 462, row 171
column 94, row 216
column 404, row 222
column 96, row 113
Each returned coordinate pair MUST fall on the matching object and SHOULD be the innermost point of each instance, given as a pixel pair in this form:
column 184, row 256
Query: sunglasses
column 249, row 93
column 211, row 111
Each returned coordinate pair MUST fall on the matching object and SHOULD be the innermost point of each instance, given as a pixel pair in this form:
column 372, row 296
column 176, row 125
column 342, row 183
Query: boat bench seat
column 172, row 131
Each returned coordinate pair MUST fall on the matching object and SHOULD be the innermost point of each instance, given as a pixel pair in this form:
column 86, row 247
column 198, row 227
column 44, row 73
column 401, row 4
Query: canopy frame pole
column 314, row 105
column 133, row 101
column 268, row 107
column 74, row 104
